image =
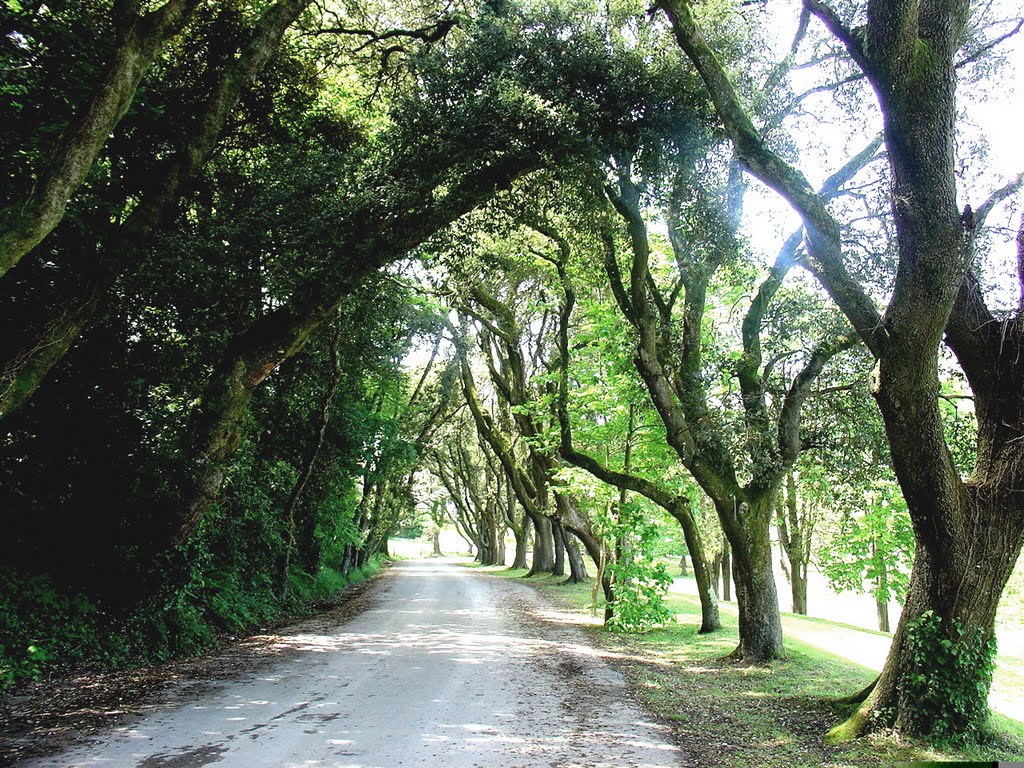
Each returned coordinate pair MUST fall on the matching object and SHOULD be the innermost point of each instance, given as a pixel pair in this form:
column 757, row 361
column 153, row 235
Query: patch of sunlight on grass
column 730, row 714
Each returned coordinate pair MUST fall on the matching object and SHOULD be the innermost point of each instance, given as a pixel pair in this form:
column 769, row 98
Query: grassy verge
column 727, row 714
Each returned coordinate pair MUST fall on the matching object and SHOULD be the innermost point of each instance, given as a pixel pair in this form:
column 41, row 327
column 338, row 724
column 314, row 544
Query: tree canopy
column 280, row 278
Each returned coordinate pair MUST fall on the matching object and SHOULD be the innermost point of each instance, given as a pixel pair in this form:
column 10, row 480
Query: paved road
column 447, row 668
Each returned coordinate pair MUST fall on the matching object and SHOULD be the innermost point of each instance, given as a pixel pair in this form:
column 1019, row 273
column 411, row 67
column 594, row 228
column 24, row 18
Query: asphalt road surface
column 446, row 668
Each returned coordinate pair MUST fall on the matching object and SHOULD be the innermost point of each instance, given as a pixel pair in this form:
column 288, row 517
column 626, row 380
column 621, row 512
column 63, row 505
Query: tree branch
column 835, row 25
column 823, row 238
column 25, row 223
column 789, row 418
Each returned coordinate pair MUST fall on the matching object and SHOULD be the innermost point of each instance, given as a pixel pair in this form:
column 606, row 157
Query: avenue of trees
column 225, row 229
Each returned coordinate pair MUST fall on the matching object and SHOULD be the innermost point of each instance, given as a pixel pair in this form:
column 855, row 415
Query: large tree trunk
column 577, row 566
column 522, row 536
column 558, row 535
column 543, row 546
column 683, row 405
column 964, row 598
column 760, row 624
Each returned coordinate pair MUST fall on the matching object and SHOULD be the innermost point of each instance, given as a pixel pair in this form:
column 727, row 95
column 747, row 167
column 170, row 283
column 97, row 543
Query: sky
column 996, row 114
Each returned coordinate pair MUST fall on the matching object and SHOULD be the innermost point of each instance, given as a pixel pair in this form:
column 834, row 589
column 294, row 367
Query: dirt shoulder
column 46, row 716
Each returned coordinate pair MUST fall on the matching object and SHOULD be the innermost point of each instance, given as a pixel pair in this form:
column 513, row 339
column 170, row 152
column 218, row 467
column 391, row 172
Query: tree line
column 224, row 226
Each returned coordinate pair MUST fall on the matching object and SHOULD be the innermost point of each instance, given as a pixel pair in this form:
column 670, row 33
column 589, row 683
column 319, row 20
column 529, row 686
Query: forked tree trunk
column 558, row 536
column 968, row 533
column 543, row 546
column 794, row 539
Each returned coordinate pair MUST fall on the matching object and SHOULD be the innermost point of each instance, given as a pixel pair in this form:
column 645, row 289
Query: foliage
column 949, row 678
column 47, row 631
column 42, row 630
column 640, row 582
column 873, row 542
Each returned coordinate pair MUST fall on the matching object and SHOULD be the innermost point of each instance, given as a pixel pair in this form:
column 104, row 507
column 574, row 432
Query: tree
column 676, row 504
column 701, row 245
column 45, row 334
column 875, row 546
column 795, row 524
column 140, row 38
column 907, row 52
column 471, row 485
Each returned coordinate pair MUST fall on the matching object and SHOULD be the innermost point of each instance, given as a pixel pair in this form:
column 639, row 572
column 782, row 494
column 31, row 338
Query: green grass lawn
column 729, row 714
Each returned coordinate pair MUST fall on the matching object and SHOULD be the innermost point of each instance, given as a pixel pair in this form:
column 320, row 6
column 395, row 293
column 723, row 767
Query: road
column 445, row 668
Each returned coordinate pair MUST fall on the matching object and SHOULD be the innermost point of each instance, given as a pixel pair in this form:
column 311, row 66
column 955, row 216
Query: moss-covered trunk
column 760, row 624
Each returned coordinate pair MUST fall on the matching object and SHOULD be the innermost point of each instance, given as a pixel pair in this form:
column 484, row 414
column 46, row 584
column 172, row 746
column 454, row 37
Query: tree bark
column 24, row 224
column 522, row 544
column 558, row 536
column 882, row 609
column 577, row 566
column 543, row 546
column 759, row 620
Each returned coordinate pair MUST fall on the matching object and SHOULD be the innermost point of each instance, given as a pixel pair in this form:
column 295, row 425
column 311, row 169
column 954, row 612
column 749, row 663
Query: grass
column 725, row 713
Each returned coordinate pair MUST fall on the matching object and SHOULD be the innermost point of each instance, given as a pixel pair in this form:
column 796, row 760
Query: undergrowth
column 46, row 631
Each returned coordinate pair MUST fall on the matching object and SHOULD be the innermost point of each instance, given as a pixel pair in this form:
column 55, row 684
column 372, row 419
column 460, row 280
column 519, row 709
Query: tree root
column 857, row 723
column 852, row 727
column 861, row 696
